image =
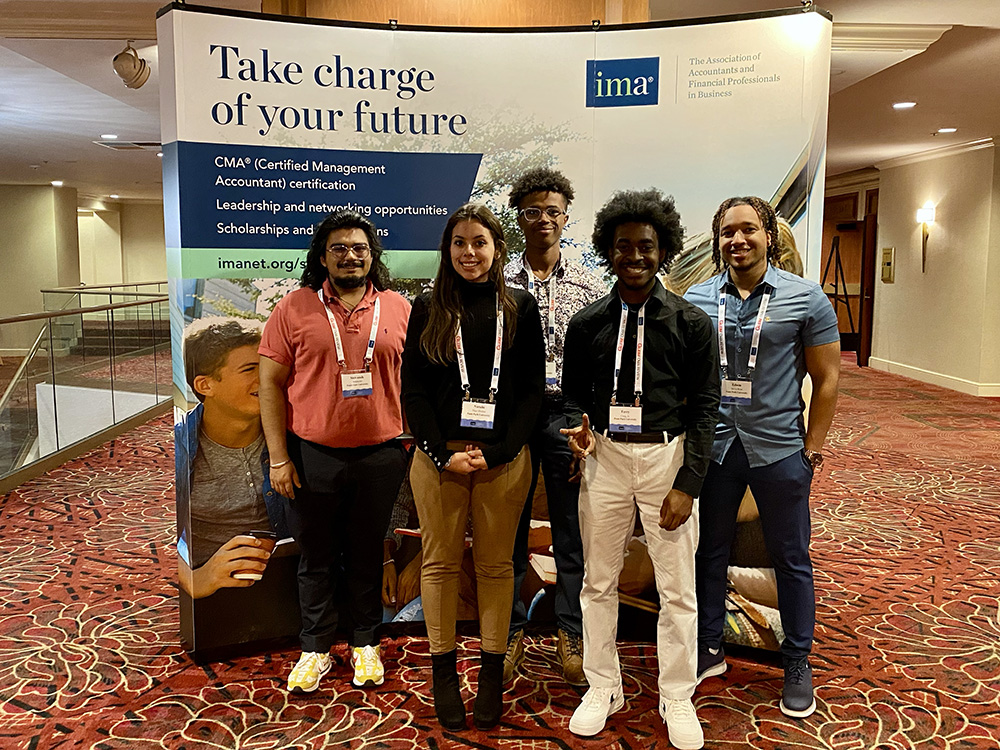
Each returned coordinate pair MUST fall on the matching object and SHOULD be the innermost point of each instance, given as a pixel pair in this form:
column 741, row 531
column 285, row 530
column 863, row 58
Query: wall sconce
column 925, row 217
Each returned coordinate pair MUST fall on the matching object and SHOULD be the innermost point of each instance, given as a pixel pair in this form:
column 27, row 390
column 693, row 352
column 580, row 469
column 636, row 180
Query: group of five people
column 507, row 369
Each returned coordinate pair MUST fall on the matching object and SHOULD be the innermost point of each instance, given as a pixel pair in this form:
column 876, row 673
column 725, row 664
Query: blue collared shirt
column 798, row 316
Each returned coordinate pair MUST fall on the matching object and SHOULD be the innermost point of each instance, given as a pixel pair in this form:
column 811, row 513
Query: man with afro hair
column 641, row 383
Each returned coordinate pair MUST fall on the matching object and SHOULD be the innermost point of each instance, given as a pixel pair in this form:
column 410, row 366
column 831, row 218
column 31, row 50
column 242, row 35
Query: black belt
column 641, row 437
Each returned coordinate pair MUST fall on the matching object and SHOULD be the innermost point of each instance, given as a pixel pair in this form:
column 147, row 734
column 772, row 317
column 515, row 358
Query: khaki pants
column 444, row 500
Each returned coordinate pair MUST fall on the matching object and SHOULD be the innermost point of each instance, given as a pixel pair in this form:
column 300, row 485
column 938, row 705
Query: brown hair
column 437, row 340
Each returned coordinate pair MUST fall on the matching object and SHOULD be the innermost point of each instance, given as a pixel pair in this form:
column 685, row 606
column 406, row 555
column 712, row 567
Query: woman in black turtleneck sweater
column 471, row 445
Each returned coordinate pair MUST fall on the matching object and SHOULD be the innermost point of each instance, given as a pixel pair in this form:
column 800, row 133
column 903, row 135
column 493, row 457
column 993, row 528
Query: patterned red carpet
column 906, row 546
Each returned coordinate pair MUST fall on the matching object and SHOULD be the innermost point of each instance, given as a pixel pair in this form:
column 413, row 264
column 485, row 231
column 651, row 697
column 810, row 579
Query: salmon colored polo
column 298, row 336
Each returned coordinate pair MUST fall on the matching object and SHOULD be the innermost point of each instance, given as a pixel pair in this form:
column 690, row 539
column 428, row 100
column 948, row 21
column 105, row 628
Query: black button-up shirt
column 680, row 373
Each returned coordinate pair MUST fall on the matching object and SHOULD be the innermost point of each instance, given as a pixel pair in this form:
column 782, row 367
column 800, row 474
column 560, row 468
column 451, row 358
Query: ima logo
column 623, row 83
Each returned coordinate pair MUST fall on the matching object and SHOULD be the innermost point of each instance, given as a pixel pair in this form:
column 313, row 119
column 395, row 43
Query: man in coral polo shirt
column 330, row 406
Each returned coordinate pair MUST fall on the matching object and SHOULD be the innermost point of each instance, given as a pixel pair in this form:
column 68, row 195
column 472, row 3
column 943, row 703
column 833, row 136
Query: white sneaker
column 683, row 728
column 306, row 674
column 592, row 714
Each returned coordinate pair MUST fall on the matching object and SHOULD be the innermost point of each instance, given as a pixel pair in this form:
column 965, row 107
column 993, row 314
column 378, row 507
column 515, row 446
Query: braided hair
column 768, row 220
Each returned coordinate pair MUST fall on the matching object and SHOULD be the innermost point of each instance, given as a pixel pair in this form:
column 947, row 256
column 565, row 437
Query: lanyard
column 754, row 340
column 463, row 369
column 370, row 351
column 551, row 332
column 640, row 337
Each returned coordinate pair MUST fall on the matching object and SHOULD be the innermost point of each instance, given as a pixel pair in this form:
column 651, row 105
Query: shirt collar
column 367, row 300
column 558, row 271
column 659, row 295
column 770, row 279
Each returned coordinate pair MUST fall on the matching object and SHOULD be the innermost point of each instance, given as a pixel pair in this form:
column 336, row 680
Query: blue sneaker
column 797, row 695
column 711, row 662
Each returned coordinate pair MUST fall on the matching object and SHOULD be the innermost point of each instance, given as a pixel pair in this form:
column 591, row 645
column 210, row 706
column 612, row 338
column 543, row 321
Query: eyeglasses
column 361, row 250
column 532, row 215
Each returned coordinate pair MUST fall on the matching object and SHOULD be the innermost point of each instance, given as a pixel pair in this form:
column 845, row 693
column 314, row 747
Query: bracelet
column 281, row 463
column 388, row 562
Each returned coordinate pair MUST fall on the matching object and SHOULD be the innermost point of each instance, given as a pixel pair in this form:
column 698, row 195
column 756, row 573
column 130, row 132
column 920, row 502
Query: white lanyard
column 754, row 340
column 551, row 332
column 370, row 351
column 463, row 369
column 640, row 336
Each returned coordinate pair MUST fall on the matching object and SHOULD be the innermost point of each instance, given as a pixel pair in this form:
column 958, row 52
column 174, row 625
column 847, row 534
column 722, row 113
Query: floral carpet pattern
column 906, row 545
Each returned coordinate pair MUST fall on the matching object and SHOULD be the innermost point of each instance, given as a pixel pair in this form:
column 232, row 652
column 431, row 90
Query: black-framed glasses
column 532, row 215
column 360, row 250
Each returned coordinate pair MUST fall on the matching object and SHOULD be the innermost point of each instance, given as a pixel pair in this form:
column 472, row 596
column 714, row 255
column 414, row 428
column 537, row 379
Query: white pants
column 617, row 479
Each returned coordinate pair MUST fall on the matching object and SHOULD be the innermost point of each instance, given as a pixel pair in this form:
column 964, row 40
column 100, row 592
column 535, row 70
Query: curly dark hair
column 768, row 220
column 540, row 180
column 644, row 207
column 315, row 273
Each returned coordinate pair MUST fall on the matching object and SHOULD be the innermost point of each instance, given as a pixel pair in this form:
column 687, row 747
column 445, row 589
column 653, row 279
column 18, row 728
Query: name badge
column 550, row 373
column 478, row 413
column 736, row 391
column 356, row 383
column 625, row 418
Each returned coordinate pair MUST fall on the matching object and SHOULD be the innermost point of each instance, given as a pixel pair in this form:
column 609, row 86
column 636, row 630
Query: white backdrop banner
column 269, row 125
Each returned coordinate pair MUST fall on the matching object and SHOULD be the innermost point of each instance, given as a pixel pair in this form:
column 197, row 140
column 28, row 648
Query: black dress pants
column 339, row 518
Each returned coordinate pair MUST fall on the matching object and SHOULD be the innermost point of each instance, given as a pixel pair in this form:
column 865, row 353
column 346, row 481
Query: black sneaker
column 711, row 662
column 797, row 695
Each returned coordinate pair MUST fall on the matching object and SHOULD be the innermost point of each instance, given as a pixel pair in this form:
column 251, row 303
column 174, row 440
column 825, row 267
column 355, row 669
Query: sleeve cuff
column 689, row 482
column 438, row 453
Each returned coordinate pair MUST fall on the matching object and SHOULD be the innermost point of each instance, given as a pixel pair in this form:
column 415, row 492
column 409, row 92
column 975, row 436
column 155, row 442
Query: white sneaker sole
column 713, row 671
column 798, row 714
column 302, row 689
column 367, row 683
column 592, row 729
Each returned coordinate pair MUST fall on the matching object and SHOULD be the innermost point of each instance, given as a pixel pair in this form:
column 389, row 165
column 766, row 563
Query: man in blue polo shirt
column 777, row 327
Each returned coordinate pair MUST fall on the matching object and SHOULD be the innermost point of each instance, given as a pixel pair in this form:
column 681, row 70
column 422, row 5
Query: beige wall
column 144, row 255
column 932, row 325
column 100, row 247
column 37, row 250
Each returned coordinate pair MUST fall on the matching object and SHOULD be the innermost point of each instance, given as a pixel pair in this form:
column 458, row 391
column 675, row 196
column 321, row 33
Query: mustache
column 351, row 264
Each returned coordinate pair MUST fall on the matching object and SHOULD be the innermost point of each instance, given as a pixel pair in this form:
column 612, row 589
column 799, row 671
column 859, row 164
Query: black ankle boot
column 447, row 697
column 489, row 698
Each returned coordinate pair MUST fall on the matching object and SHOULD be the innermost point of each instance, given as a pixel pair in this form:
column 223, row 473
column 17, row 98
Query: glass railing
column 85, row 367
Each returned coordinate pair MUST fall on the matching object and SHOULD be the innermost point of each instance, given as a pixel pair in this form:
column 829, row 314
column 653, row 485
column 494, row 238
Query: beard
column 349, row 282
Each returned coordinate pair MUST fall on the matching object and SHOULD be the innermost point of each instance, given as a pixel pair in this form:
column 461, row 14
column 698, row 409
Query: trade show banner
column 269, row 124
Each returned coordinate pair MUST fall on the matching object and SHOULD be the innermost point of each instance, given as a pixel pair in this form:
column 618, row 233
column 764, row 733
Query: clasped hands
column 467, row 461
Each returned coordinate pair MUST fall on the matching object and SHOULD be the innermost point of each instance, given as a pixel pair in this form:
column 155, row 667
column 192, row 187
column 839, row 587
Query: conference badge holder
column 355, row 383
column 551, row 378
column 624, row 418
column 479, row 413
column 736, row 391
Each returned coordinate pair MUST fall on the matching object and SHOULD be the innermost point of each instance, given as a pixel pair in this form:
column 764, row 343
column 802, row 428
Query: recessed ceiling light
column 904, row 105
column 57, row 183
column 109, row 137
column 947, row 130
column 114, row 196
column 160, row 154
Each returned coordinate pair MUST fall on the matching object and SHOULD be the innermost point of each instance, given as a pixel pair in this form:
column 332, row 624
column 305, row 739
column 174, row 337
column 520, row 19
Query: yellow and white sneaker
column 307, row 672
column 367, row 663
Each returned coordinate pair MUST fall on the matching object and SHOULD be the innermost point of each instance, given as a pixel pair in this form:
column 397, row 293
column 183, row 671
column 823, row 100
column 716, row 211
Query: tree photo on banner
column 269, row 125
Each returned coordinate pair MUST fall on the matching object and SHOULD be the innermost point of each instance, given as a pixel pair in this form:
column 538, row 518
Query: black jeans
column 550, row 448
column 339, row 518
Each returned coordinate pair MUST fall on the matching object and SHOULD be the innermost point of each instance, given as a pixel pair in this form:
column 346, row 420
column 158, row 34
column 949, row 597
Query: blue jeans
column 781, row 490
column 549, row 447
